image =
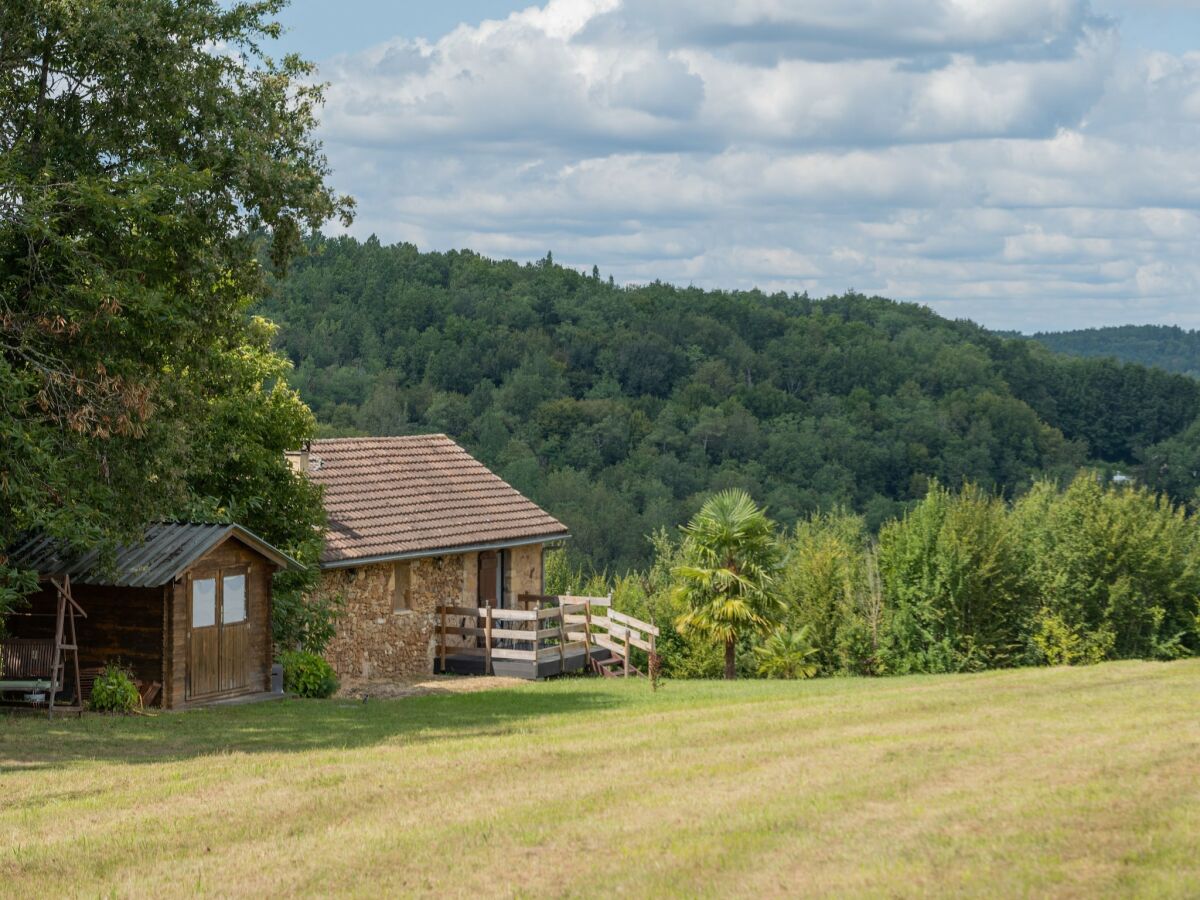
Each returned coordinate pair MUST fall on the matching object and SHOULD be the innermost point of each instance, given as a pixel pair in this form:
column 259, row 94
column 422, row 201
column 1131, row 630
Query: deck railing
column 527, row 635
column 548, row 627
column 615, row 631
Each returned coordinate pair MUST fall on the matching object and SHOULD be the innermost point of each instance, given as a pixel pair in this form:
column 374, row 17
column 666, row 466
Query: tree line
column 1167, row 347
column 620, row 409
column 964, row 581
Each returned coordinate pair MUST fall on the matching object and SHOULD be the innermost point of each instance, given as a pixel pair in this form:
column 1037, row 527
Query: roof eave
column 141, row 567
column 271, row 552
column 445, row 551
column 243, row 534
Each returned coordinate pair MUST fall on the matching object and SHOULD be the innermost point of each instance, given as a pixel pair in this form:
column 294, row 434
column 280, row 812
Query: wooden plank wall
column 147, row 628
column 124, row 624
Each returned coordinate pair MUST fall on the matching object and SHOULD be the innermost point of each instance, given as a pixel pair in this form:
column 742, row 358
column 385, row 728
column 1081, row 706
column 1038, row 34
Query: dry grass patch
column 397, row 688
column 1066, row 782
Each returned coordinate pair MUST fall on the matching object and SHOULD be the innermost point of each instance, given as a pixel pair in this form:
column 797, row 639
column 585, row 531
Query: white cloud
column 1001, row 159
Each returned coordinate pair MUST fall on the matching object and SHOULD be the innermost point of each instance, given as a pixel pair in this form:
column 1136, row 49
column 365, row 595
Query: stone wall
column 373, row 641
column 524, row 572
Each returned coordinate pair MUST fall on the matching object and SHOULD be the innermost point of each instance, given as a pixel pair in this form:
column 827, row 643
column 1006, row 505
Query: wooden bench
column 25, row 665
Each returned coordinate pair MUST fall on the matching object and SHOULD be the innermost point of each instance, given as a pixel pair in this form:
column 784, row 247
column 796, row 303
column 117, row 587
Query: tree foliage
column 825, row 555
column 148, row 152
column 726, row 580
column 965, row 581
column 1166, row 347
column 621, row 409
column 1117, row 567
column 954, row 575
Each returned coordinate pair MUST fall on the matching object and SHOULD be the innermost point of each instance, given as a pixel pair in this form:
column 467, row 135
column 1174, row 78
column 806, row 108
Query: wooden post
column 587, row 632
column 57, row 665
column 562, row 642
column 443, row 609
column 653, row 663
column 487, row 642
column 75, row 644
column 626, row 650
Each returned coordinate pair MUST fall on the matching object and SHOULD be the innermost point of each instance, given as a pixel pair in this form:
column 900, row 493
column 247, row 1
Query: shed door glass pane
column 233, row 599
column 204, row 602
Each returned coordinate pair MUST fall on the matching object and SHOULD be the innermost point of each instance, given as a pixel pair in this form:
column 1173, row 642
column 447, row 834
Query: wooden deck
column 551, row 635
column 574, row 660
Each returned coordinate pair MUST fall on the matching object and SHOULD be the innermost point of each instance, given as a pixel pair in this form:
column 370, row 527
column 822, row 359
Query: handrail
column 559, row 620
column 637, row 624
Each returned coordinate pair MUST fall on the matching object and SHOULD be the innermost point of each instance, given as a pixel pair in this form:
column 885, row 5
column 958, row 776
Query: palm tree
column 730, row 558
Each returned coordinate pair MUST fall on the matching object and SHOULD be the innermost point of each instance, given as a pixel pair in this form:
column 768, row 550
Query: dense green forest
column 1168, row 347
column 964, row 581
column 619, row 409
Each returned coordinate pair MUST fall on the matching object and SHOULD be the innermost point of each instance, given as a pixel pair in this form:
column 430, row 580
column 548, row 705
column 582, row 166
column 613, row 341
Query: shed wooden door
column 204, row 637
column 235, row 631
column 219, row 639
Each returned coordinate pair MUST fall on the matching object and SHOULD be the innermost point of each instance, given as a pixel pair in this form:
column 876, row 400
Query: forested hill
column 619, row 408
column 1168, row 347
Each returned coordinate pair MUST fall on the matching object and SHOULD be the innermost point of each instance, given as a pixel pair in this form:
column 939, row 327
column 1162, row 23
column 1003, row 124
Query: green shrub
column 303, row 618
column 114, row 691
column 787, row 654
column 1058, row 644
column 955, row 574
column 307, row 674
column 823, row 568
column 1119, row 566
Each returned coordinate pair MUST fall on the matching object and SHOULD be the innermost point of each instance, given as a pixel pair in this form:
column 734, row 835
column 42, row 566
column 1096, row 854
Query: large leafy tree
column 149, row 152
column 1117, row 566
column 956, row 577
column 727, row 579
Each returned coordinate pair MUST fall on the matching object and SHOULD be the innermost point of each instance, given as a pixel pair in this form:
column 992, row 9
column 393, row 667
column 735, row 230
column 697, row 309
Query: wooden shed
column 188, row 607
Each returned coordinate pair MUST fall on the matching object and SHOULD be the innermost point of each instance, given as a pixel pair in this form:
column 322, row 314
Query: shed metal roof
column 165, row 553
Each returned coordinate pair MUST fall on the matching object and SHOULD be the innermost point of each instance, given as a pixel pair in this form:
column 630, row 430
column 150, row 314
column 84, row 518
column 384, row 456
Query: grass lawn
column 1071, row 782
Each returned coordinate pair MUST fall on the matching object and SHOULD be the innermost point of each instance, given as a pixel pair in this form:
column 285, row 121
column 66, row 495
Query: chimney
column 299, row 458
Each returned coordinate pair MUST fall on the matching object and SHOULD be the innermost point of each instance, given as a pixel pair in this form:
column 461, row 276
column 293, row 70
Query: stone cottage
column 415, row 522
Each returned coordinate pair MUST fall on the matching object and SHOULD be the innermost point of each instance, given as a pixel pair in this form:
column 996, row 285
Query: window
column 204, row 602
column 402, row 586
column 233, row 599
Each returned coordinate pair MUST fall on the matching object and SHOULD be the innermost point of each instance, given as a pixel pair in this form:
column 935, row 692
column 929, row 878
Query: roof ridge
column 382, row 439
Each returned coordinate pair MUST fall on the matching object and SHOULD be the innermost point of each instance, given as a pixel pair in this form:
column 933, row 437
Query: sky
column 1028, row 164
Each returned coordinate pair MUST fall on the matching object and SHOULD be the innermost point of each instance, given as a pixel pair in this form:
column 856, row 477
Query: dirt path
column 392, row 688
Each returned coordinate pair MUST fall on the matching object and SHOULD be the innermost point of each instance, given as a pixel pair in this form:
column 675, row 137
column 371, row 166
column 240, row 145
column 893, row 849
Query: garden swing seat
column 27, row 668
column 33, row 670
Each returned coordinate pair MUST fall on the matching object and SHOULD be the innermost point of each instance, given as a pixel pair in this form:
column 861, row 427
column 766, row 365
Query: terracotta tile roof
column 414, row 495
